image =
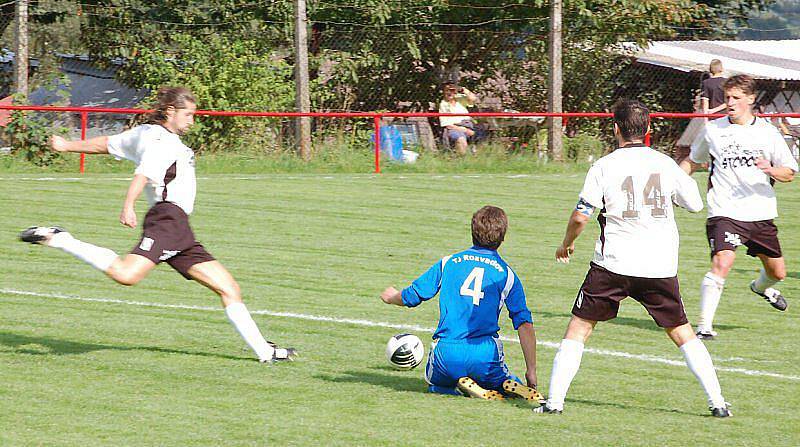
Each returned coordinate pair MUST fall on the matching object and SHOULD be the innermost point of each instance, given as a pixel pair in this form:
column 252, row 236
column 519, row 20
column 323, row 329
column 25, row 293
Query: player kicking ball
column 636, row 254
column 165, row 170
column 473, row 285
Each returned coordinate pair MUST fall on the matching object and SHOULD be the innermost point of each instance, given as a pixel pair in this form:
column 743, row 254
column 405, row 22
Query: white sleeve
column 155, row 162
column 700, row 146
column 126, row 144
column 686, row 194
column 592, row 191
column 781, row 155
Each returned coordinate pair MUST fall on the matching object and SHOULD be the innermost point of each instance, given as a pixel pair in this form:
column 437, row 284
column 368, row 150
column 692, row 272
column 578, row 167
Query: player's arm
column 779, row 173
column 96, row 145
column 527, row 340
column 522, row 320
column 575, row 226
column 687, row 195
column 780, row 164
column 698, row 154
column 392, row 296
column 128, row 215
column 689, row 166
column 422, row 289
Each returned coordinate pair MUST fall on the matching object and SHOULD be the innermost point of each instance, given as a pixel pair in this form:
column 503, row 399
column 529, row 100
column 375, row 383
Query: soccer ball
column 405, row 351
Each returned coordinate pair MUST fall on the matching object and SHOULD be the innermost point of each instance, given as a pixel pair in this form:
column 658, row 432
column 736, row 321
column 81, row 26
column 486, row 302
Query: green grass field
column 84, row 361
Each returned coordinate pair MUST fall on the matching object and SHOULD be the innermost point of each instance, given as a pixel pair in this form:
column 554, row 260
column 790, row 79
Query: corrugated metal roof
column 762, row 59
column 89, row 85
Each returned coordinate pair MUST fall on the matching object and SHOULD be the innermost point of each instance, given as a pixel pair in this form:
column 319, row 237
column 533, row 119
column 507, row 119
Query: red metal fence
column 376, row 117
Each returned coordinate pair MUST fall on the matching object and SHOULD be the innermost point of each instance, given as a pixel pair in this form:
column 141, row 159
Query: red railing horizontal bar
column 76, row 109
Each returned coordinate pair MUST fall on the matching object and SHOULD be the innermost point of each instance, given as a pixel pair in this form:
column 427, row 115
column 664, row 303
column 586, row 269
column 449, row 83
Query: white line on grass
column 296, row 177
column 403, row 327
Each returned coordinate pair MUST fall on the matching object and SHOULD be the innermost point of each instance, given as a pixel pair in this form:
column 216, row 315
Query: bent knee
column 230, row 292
column 779, row 275
column 722, row 263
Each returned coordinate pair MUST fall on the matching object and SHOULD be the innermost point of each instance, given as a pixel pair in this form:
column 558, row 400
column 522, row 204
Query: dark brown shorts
column 602, row 291
column 167, row 236
column 760, row 237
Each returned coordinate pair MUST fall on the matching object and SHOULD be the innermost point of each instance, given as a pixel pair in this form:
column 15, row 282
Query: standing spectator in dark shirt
column 713, row 96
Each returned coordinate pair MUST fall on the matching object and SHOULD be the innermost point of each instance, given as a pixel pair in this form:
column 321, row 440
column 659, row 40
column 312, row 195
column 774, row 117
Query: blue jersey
column 473, row 286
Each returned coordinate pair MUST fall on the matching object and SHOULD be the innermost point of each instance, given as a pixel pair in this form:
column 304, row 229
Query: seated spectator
column 458, row 130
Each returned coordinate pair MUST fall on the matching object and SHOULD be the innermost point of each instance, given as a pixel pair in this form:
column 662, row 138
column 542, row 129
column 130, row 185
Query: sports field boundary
column 403, row 327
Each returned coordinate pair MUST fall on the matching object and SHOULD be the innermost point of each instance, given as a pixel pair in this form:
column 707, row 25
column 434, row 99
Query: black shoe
column 546, row 409
column 35, row 235
column 772, row 296
column 721, row 412
column 706, row 335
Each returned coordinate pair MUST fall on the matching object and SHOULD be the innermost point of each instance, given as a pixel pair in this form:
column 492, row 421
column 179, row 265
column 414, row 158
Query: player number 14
column 474, row 279
column 653, row 197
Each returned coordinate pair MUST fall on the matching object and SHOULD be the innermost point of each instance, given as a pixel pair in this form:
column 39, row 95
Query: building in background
column 89, row 86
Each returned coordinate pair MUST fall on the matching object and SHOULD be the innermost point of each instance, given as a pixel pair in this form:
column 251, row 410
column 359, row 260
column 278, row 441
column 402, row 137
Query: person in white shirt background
column 746, row 156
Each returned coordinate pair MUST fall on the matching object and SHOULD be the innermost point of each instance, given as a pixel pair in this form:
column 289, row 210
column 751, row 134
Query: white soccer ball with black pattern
column 405, row 351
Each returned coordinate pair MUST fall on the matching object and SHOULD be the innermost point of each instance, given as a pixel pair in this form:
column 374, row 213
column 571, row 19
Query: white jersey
column 737, row 188
column 160, row 156
column 635, row 187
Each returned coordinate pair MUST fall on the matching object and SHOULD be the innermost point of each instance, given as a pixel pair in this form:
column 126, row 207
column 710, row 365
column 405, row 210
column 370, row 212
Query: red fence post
column 647, row 139
column 84, row 124
column 377, row 121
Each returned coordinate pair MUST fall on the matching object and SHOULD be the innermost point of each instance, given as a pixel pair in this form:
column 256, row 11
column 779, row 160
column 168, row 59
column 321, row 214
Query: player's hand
column 389, row 296
column 469, row 131
column 764, row 164
column 58, row 144
column 563, row 253
column 128, row 217
column 530, row 377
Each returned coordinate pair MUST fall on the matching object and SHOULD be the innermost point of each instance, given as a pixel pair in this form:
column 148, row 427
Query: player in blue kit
column 473, row 285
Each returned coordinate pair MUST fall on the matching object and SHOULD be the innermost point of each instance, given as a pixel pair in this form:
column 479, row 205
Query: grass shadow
column 754, row 271
column 25, row 344
column 639, row 323
column 638, row 407
column 410, row 384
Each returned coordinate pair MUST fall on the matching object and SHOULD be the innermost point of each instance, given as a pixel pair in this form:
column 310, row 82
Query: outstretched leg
column 127, row 271
column 216, row 277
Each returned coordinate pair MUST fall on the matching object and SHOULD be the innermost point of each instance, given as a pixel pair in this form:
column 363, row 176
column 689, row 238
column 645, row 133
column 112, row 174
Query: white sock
column 710, row 293
column 764, row 281
column 565, row 366
column 699, row 361
column 98, row 257
column 244, row 324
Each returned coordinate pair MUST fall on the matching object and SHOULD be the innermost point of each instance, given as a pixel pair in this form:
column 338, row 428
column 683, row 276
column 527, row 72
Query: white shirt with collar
column 161, row 156
column 737, row 188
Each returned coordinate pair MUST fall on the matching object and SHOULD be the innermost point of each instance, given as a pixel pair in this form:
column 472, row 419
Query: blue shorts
column 454, row 135
column 480, row 359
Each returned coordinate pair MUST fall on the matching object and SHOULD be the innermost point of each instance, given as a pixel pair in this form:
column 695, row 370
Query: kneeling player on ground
column 636, row 254
column 474, row 284
column 165, row 169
